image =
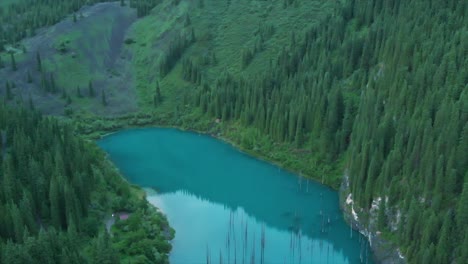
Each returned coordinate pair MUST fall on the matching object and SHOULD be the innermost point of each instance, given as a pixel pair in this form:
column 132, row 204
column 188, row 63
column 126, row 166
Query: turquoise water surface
column 228, row 207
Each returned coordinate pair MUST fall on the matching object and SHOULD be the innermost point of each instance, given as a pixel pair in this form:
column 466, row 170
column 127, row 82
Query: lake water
column 228, row 207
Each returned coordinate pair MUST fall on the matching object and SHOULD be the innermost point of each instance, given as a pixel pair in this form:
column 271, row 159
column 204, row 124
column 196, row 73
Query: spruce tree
column 157, row 99
column 463, row 253
column 9, row 94
column 444, row 244
column 45, row 83
column 29, row 79
column 64, row 93
column 382, row 215
column 103, row 98
column 54, row 198
column 53, row 87
column 38, row 62
column 91, row 91
column 13, row 62
column 462, row 209
column 102, row 250
column 31, row 103
column 78, row 92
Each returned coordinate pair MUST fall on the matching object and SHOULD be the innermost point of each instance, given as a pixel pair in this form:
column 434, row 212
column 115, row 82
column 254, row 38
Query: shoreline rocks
column 384, row 251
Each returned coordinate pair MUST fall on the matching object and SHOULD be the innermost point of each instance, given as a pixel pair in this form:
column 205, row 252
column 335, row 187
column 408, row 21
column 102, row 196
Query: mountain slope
column 376, row 90
column 379, row 85
column 55, row 192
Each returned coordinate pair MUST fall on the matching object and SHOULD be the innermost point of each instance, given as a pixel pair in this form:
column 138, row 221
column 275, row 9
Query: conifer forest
column 369, row 98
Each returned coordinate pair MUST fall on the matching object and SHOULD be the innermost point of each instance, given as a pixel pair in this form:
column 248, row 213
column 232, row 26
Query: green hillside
column 370, row 96
column 57, row 193
column 379, row 86
column 223, row 31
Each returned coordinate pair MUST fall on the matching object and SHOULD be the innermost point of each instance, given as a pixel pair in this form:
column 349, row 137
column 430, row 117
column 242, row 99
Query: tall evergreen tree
column 39, row 62
column 103, row 98
column 91, row 91
column 13, row 62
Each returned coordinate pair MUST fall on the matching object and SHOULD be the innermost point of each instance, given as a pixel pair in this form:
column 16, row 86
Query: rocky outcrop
column 384, row 251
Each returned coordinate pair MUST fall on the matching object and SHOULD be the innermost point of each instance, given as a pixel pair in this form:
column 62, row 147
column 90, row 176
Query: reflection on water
column 227, row 207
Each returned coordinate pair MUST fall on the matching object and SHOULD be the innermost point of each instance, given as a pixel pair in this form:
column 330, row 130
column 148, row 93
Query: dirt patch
column 76, row 52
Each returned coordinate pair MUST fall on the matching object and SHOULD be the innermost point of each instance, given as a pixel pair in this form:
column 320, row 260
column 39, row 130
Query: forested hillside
column 56, row 191
column 379, row 85
column 370, row 95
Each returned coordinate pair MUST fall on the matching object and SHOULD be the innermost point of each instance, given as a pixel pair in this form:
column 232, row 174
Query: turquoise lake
column 226, row 205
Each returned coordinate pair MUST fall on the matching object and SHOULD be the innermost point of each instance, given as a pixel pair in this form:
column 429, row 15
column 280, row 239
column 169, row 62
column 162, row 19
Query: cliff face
column 365, row 221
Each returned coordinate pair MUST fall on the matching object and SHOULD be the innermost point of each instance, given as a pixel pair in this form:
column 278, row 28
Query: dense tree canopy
column 383, row 83
column 380, row 86
column 55, row 191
